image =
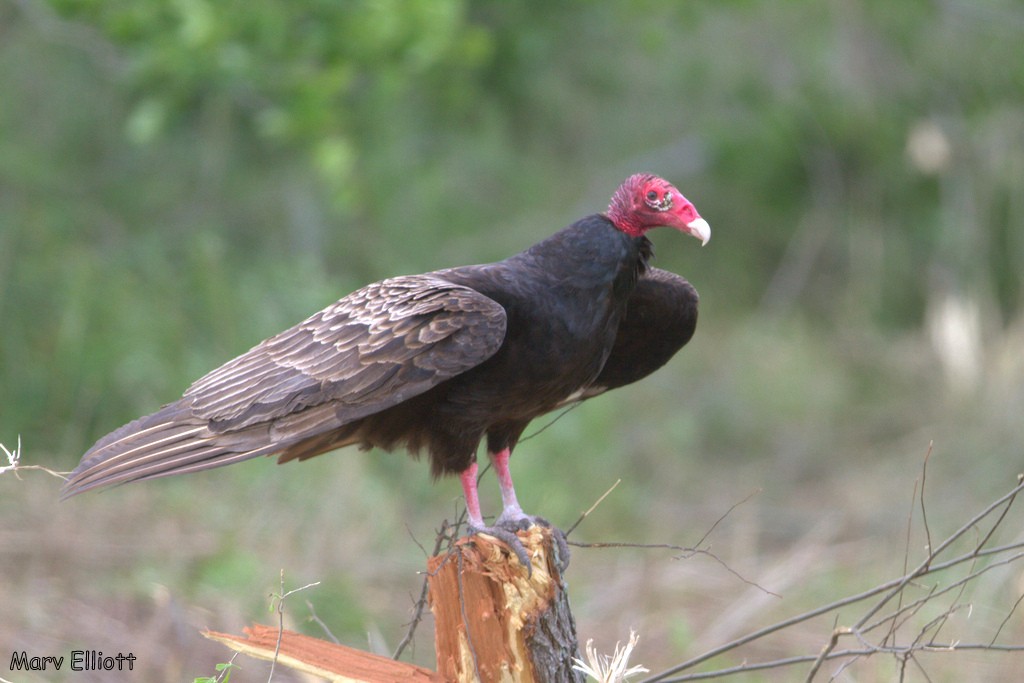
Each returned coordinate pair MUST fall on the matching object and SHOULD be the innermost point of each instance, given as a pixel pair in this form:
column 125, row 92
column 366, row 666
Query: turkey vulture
column 437, row 362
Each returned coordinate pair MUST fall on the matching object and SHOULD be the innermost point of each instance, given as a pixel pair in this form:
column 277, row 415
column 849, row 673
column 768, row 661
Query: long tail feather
column 170, row 441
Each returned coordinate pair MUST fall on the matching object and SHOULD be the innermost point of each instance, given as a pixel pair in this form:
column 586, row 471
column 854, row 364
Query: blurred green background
column 180, row 179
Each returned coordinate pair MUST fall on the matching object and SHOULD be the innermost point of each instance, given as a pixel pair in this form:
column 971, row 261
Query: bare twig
column 14, row 465
column 924, row 640
column 280, row 598
column 925, row 566
column 568, row 409
column 685, row 552
column 1016, row 604
column 1002, row 515
column 924, row 508
column 726, row 514
column 315, row 618
column 421, row 604
column 825, row 652
column 747, row 667
column 592, row 508
column 223, row 671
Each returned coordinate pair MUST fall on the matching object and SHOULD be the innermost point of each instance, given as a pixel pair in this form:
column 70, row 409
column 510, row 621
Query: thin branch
column 1009, row 614
column 686, row 552
column 280, row 598
column 825, row 652
column 421, row 603
column 14, row 465
column 416, row 540
column 955, row 603
column 726, row 514
column 592, row 508
column 315, row 618
column 853, row 659
column 726, row 567
column 924, row 510
column 571, row 407
column 1002, row 515
column 747, row 667
column 909, row 610
column 760, row 633
column 906, row 554
column 925, row 566
column 936, row 624
column 644, row 546
column 916, row 662
column 888, row 590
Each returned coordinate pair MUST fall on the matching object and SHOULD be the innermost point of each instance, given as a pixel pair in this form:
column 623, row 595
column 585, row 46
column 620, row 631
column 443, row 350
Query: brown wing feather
column 371, row 350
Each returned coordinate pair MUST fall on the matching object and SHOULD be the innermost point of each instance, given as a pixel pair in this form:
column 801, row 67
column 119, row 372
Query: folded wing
column 660, row 319
column 372, row 350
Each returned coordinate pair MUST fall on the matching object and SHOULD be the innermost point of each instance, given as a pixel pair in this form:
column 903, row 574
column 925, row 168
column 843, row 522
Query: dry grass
column 118, row 572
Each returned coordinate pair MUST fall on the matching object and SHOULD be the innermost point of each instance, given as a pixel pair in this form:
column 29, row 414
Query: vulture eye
column 657, row 202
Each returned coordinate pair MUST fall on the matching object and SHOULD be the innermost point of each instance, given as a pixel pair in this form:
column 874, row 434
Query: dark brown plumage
column 436, row 362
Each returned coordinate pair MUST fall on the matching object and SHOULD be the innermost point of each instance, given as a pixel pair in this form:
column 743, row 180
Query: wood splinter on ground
column 336, row 663
column 494, row 621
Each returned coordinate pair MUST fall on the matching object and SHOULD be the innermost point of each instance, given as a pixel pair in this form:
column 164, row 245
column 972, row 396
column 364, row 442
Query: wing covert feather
column 374, row 348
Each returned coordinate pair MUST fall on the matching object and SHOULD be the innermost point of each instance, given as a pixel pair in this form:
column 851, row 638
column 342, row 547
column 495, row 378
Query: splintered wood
column 335, row 663
column 493, row 621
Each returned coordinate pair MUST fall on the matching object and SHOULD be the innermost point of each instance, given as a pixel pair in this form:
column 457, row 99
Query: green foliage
column 181, row 179
column 312, row 77
column 224, row 670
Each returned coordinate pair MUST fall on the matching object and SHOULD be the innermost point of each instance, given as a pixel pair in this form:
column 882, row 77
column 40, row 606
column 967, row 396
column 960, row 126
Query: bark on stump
column 493, row 622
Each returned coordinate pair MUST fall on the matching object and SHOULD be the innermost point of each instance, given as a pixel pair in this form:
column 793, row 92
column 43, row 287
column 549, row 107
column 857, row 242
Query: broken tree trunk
column 494, row 621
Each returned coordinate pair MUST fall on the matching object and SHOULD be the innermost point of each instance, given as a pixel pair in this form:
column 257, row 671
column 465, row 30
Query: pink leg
column 512, row 516
column 468, row 477
column 511, row 510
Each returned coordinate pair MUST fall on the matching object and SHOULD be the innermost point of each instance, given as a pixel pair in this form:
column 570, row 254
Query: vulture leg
column 476, row 520
column 512, row 517
column 468, row 477
column 511, row 514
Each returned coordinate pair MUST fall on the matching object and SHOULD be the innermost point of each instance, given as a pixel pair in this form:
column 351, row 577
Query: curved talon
column 505, row 530
column 510, row 539
column 562, row 554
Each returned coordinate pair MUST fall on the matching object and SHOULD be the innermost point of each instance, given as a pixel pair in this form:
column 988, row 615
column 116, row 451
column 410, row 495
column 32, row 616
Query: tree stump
column 494, row 621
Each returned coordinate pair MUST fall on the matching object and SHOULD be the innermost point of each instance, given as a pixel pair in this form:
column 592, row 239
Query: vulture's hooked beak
column 700, row 229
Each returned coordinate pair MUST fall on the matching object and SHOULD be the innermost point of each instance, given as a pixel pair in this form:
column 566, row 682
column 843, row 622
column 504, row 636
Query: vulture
column 436, row 363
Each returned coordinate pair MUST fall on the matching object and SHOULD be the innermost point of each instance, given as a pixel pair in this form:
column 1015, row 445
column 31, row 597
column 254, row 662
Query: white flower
column 612, row 669
column 13, row 457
